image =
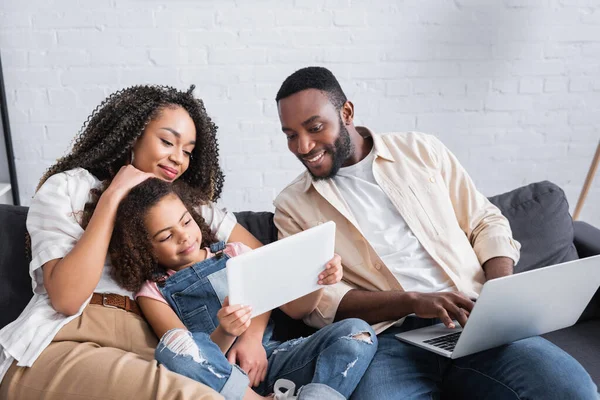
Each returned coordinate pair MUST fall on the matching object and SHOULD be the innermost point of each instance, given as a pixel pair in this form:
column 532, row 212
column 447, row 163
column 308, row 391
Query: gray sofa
column 538, row 214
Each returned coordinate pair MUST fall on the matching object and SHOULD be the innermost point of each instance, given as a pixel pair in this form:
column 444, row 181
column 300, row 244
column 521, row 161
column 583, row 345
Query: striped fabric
column 53, row 223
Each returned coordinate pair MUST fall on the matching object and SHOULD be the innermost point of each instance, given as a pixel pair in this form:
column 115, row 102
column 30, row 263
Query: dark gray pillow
column 539, row 218
column 260, row 224
column 15, row 283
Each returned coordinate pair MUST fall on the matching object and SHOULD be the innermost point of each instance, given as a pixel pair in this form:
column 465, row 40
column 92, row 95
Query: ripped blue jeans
column 336, row 356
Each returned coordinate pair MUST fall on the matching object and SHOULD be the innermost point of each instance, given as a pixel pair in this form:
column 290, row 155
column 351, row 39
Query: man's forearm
column 498, row 267
column 374, row 307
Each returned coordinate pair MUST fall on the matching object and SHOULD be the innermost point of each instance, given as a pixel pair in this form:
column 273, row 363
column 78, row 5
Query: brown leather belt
column 112, row 300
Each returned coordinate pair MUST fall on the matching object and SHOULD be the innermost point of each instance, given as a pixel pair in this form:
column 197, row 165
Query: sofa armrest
column 587, row 239
column 587, row 242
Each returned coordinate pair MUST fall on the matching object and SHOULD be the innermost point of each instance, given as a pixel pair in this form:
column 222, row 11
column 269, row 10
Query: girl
column 164, row 249
column 81, row 336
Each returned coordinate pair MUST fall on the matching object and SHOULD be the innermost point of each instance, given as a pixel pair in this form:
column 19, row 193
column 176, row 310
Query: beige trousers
column 105, row 353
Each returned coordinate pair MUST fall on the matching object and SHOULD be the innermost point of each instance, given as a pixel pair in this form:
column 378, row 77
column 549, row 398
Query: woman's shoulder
column 81, row 175
column 205, row 206
column 76, row 176
column 75, row 184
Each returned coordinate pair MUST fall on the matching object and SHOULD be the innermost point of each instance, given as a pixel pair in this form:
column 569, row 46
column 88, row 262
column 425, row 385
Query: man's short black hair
column 313, row 78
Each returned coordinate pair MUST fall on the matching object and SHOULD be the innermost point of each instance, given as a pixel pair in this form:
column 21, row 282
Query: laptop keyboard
column 446, row 342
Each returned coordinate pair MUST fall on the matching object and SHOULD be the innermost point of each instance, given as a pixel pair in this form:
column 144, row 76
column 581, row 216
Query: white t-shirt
column 53, row 224
column 385, row 229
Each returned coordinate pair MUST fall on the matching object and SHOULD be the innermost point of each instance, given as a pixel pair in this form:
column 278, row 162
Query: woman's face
column 175, row 236
column 165, row 147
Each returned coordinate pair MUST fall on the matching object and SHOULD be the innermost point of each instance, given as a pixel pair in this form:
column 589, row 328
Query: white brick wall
column 511, row 86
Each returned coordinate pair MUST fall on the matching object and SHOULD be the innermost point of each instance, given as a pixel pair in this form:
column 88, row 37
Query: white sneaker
column 284, row 390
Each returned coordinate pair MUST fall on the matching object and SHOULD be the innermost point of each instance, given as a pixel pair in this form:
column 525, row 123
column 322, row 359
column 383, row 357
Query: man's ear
column 347, row 113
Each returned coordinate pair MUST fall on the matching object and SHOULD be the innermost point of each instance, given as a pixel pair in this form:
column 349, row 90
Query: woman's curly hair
column 106, row 138
column 131, row 253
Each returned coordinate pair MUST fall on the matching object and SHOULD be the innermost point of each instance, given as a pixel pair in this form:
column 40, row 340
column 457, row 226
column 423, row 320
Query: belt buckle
column 104, row 302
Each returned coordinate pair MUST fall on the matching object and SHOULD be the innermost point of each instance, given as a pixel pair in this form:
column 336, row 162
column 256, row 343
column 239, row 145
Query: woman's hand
column 127, row 178
column 333, row 272
column 234, row 320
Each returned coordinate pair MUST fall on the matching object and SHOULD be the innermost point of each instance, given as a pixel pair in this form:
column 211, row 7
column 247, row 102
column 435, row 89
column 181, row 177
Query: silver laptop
column 516, row 307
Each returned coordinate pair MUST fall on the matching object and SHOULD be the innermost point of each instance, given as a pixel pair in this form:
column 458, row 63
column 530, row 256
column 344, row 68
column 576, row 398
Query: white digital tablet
column 282, row 271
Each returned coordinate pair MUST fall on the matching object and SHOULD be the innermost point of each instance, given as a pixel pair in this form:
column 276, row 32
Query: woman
column 61, row 347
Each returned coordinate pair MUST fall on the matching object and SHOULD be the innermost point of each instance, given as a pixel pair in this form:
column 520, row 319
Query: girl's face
column 174, row 234
column 165, row 147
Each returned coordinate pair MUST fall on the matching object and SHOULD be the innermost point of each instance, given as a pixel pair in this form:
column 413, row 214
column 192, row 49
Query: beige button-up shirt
column 455, row 223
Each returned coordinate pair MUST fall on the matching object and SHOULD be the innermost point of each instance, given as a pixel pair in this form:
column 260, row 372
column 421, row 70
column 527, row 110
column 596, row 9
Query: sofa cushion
column 260, row 224
column 539, row 218
column 581, row 341
column 15, row 283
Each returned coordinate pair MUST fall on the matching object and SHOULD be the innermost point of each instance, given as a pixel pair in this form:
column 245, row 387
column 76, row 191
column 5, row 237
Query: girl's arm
column 70, row 280
column 241, row 235
column 159, row 315
column 259, row 323
column 162, row 319
column 248, row 352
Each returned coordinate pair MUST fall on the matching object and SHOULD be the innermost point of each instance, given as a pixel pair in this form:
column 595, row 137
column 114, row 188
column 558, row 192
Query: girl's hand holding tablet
column 333, row 271
column 235, row 319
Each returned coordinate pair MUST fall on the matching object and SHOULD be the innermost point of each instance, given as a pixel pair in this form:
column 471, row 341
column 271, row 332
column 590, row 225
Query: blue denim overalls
column 196, row 294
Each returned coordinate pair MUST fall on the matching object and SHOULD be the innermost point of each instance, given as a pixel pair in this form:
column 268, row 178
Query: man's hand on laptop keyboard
column 445, row 306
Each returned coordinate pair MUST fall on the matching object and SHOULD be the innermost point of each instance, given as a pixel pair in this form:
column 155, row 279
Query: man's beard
column 341, row 150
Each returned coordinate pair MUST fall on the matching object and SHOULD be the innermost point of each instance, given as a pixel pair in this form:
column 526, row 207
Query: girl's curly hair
column 131, row 253
column 106, row 138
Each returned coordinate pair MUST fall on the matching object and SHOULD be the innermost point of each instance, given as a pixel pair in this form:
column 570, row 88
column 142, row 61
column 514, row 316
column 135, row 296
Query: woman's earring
column 131, row 157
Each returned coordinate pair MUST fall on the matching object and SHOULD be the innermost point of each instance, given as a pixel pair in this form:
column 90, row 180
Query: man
column 417, row 242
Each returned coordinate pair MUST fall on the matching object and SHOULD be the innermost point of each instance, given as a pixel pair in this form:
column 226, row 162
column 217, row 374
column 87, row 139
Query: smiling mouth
column 171, row 172
column 189, row 249
column 315, row 159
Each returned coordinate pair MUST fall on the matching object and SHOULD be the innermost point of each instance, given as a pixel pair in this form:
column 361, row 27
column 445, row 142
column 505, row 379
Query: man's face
column 315, row 132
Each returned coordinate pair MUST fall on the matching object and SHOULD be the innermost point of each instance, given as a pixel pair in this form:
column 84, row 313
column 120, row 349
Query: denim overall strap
column 197, row 293
column 217, row 248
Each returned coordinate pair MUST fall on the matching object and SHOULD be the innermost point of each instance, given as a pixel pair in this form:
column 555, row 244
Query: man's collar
column 308, row 181
column 380, row 150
